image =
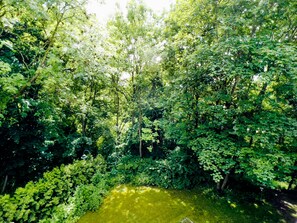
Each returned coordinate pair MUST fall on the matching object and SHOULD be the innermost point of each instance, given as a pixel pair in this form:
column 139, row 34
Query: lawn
column 154, row 205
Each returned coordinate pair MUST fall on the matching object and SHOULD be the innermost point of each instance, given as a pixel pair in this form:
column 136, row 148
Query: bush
column 179, row 170
column 40, row 200
column 87, row 198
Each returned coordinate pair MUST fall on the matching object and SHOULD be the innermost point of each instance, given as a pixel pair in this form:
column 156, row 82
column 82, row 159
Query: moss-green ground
column 155, row 205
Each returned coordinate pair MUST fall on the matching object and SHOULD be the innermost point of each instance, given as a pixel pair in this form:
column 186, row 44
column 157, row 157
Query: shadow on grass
column 154, row 205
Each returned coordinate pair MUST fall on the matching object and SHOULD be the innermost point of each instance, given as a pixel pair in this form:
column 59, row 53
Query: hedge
column 38, row 200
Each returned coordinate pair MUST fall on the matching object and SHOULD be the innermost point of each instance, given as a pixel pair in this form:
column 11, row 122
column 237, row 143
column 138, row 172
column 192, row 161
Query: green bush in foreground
column 86, row 198
column 40, row 200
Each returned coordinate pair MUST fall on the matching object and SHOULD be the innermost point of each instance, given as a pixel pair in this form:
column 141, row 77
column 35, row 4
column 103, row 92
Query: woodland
column 202, row 96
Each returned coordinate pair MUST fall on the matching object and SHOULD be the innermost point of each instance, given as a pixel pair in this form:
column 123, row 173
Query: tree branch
column 43, row 60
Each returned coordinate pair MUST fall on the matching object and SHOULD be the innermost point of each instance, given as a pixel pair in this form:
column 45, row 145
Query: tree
column 51, row 92
column 227, row 71
column 134, row 39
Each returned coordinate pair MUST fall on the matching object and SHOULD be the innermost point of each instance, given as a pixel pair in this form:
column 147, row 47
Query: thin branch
column 43, row 60
column 23, row 59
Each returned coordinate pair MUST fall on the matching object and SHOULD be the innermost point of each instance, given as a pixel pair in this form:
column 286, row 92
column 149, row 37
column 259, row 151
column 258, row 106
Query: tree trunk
column 228, row 104
column 222, row 184
column 196, row 110
column 4, row 185
column 219, row 186
column 140, row 133
column 225, row 181
column 117, row 118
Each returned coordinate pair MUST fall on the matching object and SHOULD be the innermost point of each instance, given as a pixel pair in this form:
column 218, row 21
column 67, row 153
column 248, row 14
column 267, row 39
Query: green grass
column 155, row 205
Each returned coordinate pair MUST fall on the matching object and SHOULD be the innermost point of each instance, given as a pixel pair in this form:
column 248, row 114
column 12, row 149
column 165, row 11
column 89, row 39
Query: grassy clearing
column 152, row 205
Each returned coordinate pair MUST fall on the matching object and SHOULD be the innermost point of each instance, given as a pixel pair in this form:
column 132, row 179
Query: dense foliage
column 207, row 92
column 232, row 70
column 53, row 107
column 59, row 194
column 179, row 170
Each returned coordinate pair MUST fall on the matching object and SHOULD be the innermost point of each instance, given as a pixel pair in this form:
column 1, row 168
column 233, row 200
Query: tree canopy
column 212, row 79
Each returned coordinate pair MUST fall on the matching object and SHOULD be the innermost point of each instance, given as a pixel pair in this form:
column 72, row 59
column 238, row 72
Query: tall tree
column 229, row 64
column 134, row 39
column 49, row 90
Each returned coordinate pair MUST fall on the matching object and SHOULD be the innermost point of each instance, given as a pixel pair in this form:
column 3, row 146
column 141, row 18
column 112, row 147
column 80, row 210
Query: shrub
column 39, row 200
column 179, row 170
column 87, row 198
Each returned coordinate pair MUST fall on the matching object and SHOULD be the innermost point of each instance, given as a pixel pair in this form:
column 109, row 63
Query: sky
column 106, row 9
